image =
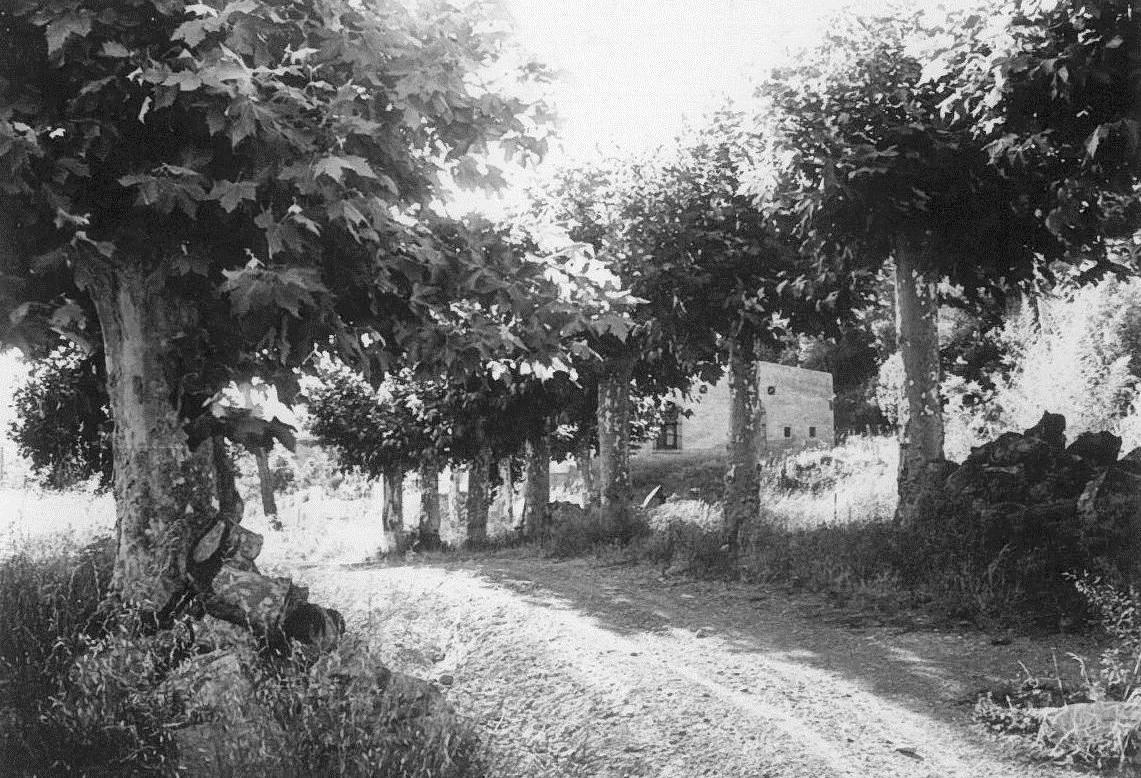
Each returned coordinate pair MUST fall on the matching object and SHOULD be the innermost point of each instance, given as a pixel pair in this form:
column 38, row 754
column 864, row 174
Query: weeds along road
column 582, row 669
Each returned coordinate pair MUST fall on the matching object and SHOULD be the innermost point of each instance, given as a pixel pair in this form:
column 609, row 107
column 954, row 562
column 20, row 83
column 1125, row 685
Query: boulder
column 997, row 484
column 212, row 634
column 1110, row 513
column 210, row 684
column 1081, row 725
column 1050, row 429
column 995, row 452
column 243, row 544
column 1033, row 455
column 226, row 730
column 314, row 625
column 1131, row 462
column 1003, row 523
column 1098, row 449
column 208, row 545
column 353, row 667
column 251, row 599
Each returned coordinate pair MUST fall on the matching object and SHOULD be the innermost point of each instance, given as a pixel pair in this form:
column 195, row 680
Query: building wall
column 801, row 399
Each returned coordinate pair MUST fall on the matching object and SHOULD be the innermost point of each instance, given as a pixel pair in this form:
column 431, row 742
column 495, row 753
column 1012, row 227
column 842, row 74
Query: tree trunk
column 478, row 497
column 742, row 486
column 614, row 446
column 174, row 540
column 265, row 481
column 917, row 324
column 392, row 514
column 456, row 495
column 584, row 461
column 163, row 491
column 537, row 493
column 507, row 492
column 230, row 504
column 429, row 532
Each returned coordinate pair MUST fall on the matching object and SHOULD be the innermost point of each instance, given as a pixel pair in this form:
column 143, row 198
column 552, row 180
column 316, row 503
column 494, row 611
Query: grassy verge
column 85, row 690
column 826, row 526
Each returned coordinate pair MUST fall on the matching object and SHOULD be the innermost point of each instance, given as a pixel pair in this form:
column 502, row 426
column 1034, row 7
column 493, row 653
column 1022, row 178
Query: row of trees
column 207, row 193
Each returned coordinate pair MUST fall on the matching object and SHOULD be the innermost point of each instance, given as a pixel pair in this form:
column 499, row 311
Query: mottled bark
column 456, row 507
column 392, row 512
column 917, row 324
column 429, row 529
column 163, row 491
column 584, row 460
column 537, row 492
column 507, row 492
column 265, row 482
column 614, row 445
column 742, row 486
column 230, row 504
column 177, row 510
column 478, row 497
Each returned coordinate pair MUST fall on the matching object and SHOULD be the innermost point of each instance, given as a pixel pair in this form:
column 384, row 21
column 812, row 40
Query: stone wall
column 1076, row 505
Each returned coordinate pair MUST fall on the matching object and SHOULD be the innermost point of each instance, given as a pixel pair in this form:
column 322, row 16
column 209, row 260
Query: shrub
column 62, row 424
column 694, row 549
column 587, row 532
column 1118, row 613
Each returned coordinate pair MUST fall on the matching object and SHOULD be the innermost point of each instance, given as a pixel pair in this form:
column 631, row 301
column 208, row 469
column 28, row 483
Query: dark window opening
column 771, row 390
column 811, row 432
column 668, row 439
column 788, row 432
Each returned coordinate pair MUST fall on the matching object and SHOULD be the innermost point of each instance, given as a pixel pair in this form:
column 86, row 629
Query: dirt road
column 581, row 669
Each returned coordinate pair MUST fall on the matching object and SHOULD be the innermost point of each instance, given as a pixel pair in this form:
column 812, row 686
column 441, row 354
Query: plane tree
column 231, row 184
column 589, row 201
column 734, row 284
column 382, row 431
column 531, row 312
column 869, row 162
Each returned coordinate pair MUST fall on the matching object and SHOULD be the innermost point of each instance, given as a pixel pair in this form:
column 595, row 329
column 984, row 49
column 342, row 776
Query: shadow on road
column 929, row 671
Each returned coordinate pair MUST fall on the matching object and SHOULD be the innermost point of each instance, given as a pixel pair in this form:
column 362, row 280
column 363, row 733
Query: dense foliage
column 252, row 154
column 62, row 426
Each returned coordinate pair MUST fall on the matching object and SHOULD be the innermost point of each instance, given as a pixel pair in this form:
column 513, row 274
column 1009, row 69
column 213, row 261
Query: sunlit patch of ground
column 581, row 668
column 30, row 516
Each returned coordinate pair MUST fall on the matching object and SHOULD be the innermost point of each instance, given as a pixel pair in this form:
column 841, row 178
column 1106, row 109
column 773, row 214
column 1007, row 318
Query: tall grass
column 87, row 690
column 826, row 525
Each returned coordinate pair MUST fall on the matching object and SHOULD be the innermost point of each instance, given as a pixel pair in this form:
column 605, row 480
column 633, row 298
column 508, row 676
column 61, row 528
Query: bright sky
column 631, row 71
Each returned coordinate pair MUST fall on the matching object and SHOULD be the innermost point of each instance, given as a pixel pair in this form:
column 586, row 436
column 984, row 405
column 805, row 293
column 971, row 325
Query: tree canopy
column 268, row 160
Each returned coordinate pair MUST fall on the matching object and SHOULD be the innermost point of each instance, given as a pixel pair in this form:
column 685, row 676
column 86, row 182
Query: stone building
column 797, row 407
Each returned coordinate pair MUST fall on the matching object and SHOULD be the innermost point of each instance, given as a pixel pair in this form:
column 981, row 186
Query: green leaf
column 114, row 49
column 59, row 30
column 1094, row 140
column 192, row 32
column 286, row 288
column 230, row 194
column 334, row 167
column 185, row 80
column 243, row 120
